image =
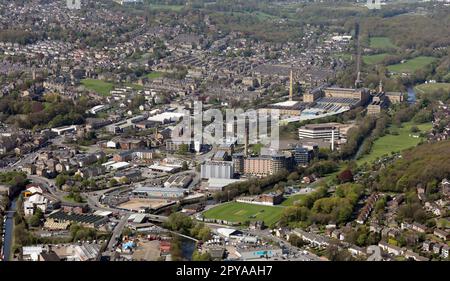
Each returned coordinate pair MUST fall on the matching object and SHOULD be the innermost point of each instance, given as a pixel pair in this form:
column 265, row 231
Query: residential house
column 391, row 249
column 444, row 235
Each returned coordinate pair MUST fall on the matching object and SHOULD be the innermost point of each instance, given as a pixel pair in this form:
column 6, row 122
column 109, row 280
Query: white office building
column 319, row 131
column 217, row 169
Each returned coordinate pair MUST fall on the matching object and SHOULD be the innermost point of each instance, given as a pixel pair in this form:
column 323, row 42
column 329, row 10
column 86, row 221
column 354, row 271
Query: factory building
column 217, row 169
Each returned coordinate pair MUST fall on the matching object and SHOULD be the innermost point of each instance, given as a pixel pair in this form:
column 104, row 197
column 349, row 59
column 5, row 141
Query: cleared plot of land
column 147, row 251
column 381, row 43
column 137, row 203
column 411, row 65
column 98, row 86
column 292, row 200
column 395, row 143
column 241, row 212
column 374, row 59
column 424, row 88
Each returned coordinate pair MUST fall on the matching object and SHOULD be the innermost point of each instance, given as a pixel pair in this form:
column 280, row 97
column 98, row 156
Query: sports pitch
column 241, row 212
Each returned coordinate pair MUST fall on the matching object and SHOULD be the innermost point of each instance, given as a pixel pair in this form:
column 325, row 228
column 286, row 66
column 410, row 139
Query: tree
column 175, row 249
column 296, row 241
column 127, row 231
column 345, row 176
column 36, row 219
column 294, row 176
column 60, row 180
column 415, row 129
column 179, row 222
column 197, row 256
column 113, row 182
column 204, row 234
column 183, row 149
column 184, row 166
column 333, row 253
column 254, row 189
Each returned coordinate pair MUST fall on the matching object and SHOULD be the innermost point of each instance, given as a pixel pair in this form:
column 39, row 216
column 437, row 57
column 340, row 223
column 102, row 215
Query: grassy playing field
column 241, row 212
column 374, row 59
column 381, row 43
column 99, row 86
column 394, row 143
column 424, row 88
column 411, row 65
column 292, row 199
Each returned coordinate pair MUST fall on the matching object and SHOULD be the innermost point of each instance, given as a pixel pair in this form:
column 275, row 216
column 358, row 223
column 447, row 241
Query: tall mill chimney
column 291, row 86
column 246, row 141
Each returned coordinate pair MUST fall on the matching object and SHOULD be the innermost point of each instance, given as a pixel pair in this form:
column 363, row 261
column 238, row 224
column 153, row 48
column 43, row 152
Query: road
column 48, row 184
column 116, row 235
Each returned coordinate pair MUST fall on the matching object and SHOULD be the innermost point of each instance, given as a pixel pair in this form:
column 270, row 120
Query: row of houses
column 365, row 211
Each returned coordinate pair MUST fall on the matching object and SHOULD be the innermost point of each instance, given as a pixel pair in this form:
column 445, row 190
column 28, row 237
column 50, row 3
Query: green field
column 175, row 8
column 381, row 43
column 394, row 143
column 258, row 14
column 424, row 88
column 411, row 65
column 374, row 59
column 67, row 198
column 98, row 86
column 154, row 74
column 135, row 86
column 241, row 212
column 292, row 199
column 344, row 56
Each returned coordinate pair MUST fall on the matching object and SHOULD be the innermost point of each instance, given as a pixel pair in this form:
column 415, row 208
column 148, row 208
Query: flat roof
column 165, row 168
column 159, row 189
column 288, row 103
column 102, row 213
column 119, row 165
column 216, row 182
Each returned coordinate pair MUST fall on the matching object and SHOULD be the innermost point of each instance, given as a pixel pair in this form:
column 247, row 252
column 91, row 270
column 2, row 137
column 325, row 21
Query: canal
column 9, row 225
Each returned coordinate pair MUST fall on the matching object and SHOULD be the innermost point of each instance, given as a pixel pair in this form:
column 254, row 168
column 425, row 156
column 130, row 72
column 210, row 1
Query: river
column 411, row 95
column 9, row 225
column 187, row 248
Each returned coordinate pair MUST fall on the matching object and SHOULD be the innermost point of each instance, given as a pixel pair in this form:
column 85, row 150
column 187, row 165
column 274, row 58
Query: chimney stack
column 246, row 141
column 332, row 138
column 291, row 87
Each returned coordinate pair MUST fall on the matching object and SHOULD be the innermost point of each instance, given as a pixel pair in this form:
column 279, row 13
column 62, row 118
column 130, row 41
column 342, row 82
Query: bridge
column 157, row 218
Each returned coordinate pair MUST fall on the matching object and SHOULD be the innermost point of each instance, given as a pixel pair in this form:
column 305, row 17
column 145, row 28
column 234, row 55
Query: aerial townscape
column 338, row 149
